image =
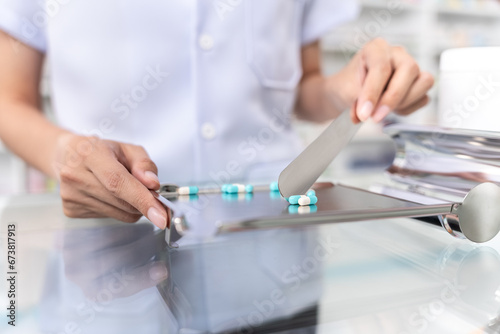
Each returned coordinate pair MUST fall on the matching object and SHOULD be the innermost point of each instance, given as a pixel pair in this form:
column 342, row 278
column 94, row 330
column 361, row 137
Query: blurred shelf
column 381, row 4
column 478, row 13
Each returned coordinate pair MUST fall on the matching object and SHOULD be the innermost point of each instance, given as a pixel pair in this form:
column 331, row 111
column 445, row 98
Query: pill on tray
column 232, row 189
column 187, row 190
column 311, row 192
column 241, row 187
column 294, row 200
column 302, row 200
column 236, row 188
column 308, row 200
column 274, row 186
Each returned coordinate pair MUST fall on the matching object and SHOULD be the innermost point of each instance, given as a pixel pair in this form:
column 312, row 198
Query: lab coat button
column 208, row 131
column 206, row 42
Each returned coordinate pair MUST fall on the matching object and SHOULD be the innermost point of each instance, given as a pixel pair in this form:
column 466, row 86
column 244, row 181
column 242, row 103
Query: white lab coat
column 206, row 86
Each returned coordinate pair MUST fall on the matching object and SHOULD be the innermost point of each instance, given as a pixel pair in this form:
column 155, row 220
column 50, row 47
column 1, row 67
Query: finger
column 377, row 59
column 405, row 74
column 141, row 166
column 82, row 184
column 417, row 105
column 419, row 89
column 354, row 116
column 89, row 207
column 120, row 183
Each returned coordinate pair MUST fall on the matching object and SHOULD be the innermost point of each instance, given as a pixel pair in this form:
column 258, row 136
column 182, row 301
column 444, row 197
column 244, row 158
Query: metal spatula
column 301, row 173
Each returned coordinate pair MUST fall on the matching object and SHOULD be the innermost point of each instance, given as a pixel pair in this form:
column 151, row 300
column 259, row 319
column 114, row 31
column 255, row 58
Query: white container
column 469, row 89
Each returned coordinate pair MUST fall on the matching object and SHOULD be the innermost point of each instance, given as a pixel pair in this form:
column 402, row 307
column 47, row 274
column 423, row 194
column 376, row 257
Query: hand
column 102, row 178
column 380, row 79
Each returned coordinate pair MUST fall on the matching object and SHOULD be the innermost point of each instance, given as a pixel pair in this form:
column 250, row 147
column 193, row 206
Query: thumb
column 141, row 166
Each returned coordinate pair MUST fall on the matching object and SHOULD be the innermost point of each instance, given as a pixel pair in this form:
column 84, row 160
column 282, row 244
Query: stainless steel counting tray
column 204, row 217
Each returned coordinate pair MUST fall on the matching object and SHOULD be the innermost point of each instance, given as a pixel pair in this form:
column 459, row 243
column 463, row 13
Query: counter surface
column 102, row 276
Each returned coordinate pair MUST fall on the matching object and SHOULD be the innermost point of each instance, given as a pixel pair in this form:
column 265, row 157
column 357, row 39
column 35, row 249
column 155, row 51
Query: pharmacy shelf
column 381, row 4
column 478, row 13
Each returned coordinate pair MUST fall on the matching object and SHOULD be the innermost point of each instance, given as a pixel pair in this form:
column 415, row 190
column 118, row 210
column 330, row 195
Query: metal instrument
column 304, row 170
column 476, row 218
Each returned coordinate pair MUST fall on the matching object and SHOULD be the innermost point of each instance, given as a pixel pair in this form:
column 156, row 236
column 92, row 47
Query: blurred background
column 424, row 27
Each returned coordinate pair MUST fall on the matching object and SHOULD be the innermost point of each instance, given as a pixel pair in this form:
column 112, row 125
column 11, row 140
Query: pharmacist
column 188, row 91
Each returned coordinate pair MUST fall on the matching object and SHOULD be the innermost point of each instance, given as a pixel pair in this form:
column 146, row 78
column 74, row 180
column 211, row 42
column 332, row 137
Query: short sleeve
column 25, row 20
column 321, row 16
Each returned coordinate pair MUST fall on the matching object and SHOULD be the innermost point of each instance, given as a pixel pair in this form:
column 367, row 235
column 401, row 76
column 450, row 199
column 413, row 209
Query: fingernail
column 380, row 113
column 366, row 111
column 158, row 272
column 152, row 176
column 157, row 218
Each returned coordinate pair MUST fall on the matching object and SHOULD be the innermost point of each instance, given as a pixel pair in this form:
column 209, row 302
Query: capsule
column 187, row 190
column 249, row 188
column 294, row 200
column 274, row 186
column 232, row 189
column 308, row 200
column 311, row 192
column 241, row 187
column 236, row 188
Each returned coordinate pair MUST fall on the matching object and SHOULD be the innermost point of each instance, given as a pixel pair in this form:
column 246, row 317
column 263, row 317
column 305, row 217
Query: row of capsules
column 298, row 203
column 237, row 191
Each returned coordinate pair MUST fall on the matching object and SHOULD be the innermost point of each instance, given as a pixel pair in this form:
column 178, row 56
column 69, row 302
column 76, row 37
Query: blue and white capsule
column 188, row 190
column 311, row 192
column 307, row 200
column 274, row 186
column 236, row 188
column 294, row 200
column 232, row 189
column 302, row 200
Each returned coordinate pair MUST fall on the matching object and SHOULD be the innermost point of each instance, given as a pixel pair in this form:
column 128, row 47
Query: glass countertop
column 399, row 276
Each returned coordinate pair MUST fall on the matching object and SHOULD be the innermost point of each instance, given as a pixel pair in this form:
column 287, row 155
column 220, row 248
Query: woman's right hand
column 103, row 178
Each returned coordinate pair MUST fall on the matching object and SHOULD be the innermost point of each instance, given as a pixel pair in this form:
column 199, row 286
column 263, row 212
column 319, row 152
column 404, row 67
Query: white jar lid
column 470, row 59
